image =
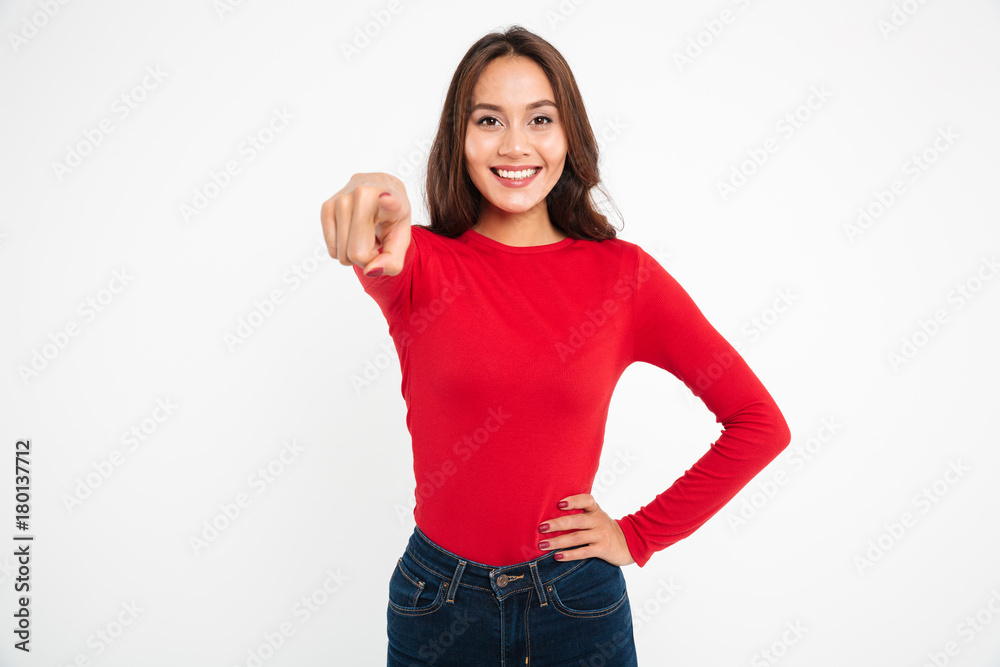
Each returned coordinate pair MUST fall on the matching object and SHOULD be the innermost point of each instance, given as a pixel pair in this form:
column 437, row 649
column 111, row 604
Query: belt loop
column 538, row 584
column 454, row 581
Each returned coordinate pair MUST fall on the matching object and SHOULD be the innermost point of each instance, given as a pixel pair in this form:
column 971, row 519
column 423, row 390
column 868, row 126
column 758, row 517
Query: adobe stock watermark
column 259, row 480
column 712, row 29
column 610, row 474
column 561, row 12
column 434, row 649
column 786, row 127
column 105, row 636
column 303, row 610
column 419, row 321
column 248, row 150
column 611, row 130
column 121, row 108
column 462, row 450
column 373, row 368
column 899, row 16
column 604, row 654
column 87, row 310
column 705, row 377
column 968, row 629
column 643, row 613
column 764, row 489
column 929, row 327
column 294, row 277
column 8, row 568
column 923, row 501
column 915, row 166
column 660, row 254
column 365, row 34
column 722, row 360
column 421, row 318
column 594, row 319
column 33, row 24
column 757, row 325
column 137, row 435
column 223, row 8
column 410, row 164
column 779, row 648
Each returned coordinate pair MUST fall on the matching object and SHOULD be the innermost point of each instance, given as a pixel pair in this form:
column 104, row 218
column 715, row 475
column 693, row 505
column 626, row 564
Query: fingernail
column 558, row 556
column 374, row 273
column 543, row 545
column 542, row 528
column 563, row 504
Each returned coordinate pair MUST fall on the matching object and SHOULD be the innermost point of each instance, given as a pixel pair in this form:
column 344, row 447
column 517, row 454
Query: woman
column 514, row 313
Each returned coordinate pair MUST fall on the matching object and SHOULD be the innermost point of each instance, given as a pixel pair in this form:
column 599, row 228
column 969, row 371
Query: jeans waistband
column 503, row 581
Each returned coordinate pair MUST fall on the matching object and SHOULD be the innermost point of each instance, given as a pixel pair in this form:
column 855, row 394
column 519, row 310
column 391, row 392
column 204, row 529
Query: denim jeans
column 445, row 610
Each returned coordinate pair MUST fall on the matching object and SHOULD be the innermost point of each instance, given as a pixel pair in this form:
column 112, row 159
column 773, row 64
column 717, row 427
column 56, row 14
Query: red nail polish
column 563, row 504
column 543, row 544
column 542, row 528
column 374, row 273
column 558, row 556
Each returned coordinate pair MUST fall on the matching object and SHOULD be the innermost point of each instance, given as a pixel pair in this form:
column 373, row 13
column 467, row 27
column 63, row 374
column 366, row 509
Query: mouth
column 514, row 179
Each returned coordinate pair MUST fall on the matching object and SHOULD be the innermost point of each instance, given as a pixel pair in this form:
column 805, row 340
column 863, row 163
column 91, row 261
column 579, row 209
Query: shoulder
column 435, row 249
column 427, row 237
column 627, row 247
column 639, row 257
column 425, row 231
column 431, row 244
column 620, row 251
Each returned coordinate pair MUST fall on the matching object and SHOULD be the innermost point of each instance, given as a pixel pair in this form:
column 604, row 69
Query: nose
column 514, row 140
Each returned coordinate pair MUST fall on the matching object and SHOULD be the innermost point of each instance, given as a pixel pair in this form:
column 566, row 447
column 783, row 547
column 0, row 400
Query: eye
column 491, row 121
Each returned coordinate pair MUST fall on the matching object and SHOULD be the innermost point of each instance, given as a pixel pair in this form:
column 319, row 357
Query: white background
column 816, row 311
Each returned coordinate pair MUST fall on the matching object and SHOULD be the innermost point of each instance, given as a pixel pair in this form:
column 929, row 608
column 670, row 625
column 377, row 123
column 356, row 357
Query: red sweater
column 509, row 356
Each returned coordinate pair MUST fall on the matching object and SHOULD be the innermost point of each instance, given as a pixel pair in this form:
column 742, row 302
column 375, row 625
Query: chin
column 508, row 207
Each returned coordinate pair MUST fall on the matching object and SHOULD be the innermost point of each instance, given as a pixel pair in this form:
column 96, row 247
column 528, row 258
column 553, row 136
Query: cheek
column 553, row 149
column 475, row 150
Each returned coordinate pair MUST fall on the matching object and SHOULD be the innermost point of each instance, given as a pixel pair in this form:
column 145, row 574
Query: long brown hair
column 453, row 200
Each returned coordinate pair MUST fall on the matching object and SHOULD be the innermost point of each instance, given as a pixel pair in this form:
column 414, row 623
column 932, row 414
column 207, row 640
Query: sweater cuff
column 639, row 551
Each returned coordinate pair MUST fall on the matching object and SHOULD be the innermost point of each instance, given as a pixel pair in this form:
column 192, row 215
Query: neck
column 518, row 229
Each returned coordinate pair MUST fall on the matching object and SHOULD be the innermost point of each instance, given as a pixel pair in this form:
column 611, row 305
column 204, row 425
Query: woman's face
column 514, row 125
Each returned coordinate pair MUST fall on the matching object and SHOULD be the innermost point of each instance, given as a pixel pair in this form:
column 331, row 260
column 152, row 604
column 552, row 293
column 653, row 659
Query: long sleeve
column 673, row 334
column 394, row 294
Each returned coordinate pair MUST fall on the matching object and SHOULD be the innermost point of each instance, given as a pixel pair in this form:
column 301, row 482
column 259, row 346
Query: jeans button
column 502, row 580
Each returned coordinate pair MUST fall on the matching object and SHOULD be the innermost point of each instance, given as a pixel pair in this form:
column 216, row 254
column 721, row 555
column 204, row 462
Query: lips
column 515, row 182
column 515, row 169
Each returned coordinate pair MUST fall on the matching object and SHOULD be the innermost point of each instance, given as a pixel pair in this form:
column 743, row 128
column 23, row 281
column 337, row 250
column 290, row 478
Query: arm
column 393, row 293
column 673, row 334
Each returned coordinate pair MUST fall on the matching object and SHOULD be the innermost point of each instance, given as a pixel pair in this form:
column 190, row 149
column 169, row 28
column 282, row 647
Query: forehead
column 512, row 79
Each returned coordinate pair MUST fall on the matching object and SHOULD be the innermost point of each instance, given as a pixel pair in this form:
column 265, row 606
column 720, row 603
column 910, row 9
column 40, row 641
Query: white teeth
column 517, row 175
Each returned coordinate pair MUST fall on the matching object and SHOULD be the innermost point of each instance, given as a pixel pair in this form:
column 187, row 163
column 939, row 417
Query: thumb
column 392, row 250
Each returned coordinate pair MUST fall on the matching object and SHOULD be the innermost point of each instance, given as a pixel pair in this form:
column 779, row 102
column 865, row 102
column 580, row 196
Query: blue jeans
column 446, row 610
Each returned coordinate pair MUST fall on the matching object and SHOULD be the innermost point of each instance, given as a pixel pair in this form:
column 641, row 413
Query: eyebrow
column 494, row 107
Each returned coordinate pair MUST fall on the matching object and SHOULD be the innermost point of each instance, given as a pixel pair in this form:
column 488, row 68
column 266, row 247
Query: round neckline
column 519, row 250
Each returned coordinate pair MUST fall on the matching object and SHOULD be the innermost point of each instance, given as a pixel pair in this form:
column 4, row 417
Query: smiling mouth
column 519, row 175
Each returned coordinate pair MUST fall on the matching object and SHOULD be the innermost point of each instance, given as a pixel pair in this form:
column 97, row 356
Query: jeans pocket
column 596, row 588
column 413, row 591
